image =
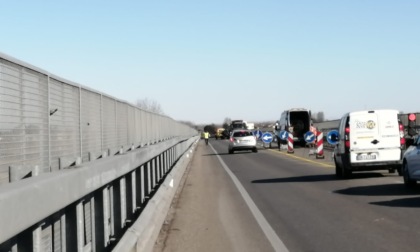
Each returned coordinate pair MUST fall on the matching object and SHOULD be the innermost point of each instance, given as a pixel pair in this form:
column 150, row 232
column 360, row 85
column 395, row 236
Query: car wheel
column 408, row 182
column 230, row 151
column 344, row 170
column 255, row 150
column 338, row 170
column 399, row 170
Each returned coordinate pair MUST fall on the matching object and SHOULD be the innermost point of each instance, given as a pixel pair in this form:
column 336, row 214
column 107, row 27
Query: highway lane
column 311, row 210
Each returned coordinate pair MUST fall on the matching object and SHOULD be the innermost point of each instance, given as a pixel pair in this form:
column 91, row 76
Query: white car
column 242, row 140
column 411, row 164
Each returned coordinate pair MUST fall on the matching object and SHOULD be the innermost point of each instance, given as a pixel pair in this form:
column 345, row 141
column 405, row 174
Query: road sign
column 332, row 137
column 309, row 137
column 283, row 135
column 267, row 137
column 258, row 134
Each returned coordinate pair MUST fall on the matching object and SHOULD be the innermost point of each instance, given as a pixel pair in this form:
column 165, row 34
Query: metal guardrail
column 119, row 155
column 49, row 123
column 87, row 208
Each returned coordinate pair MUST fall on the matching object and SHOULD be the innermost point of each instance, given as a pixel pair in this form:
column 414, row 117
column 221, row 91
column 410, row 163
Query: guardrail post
column 63, row 241
column 80, row 226
column 107, row 216
column 123, row 201
column 153, row 175
column 36, row 239
column 134, row 189
column 142, row 183
column 148, row 179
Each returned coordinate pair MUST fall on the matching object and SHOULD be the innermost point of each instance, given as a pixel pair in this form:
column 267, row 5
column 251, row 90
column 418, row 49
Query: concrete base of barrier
column 142, row 235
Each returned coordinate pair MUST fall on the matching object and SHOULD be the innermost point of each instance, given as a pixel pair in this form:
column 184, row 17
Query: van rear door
column 363, row 130
column 374, row 136
column 389, row 131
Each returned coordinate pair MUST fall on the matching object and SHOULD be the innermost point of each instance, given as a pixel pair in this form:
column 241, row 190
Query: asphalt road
column 308, row 208
column 209, row 213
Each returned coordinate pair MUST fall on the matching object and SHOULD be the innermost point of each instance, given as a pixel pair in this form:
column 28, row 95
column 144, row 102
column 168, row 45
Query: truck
column 237, row 124
column 219, row 133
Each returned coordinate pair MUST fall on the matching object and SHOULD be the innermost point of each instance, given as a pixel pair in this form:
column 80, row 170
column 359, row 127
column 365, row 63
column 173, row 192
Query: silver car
column 411, row 164
column 242, row 140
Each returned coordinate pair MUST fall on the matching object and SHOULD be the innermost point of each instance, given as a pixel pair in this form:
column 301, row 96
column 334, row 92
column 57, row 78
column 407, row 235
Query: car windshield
column 242, row 134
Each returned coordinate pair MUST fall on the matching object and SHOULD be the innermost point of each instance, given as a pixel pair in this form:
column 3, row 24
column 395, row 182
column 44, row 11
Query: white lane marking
column 271, row 235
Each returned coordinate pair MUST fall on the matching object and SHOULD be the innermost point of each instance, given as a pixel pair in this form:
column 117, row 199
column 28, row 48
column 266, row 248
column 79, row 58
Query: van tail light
column 231, row 139
column 347, row 137
column 347, row 144
column 402, row 139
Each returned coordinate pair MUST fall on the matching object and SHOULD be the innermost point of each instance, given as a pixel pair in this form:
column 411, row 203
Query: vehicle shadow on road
column 317, row 178
column 309, row 178
column 223, row 154
column 406, row 202
column 380, row 190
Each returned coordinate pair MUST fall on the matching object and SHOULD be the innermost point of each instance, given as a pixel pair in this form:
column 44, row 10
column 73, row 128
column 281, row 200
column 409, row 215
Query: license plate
column 366, row 157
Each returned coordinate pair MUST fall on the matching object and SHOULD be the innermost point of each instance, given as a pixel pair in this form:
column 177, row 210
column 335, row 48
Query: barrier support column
column 290, row 143
column 319, row 145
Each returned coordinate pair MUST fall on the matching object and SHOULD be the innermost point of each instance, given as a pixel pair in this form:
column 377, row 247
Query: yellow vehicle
column 219, row 133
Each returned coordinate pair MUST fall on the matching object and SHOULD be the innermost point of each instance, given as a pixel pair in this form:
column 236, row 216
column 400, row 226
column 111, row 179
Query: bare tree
column 319, row 117
column 189, row 123
column 150, row 105
column 226, row 122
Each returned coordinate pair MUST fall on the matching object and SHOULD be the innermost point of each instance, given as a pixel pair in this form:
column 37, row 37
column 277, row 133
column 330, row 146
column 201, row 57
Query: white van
column 295, row 120
column 369, row 140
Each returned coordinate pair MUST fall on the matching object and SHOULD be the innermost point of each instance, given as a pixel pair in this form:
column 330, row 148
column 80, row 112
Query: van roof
column 297, row 109
column 379, row 111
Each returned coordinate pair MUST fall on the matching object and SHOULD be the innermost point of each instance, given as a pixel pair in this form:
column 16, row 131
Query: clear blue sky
column 203, row 61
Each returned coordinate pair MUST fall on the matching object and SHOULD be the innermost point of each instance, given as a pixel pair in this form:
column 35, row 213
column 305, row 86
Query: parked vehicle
column 411, row 164
column 237, row 124
column 296, row 121
column 369, row 140
column 226, row 134
column 250, row 126
column 219, row 133
column 242, row 139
